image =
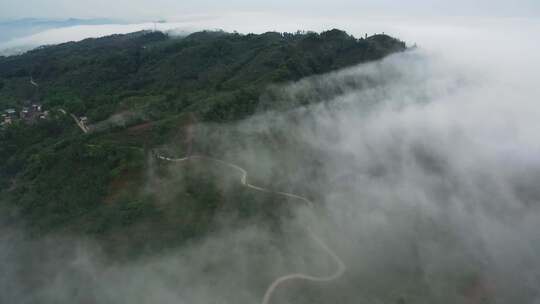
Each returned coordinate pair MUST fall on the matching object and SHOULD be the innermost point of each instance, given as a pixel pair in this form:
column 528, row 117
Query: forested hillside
column 140, row 91
column 217, row 74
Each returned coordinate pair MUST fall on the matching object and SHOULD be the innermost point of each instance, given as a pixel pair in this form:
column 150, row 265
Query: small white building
column 11, row 112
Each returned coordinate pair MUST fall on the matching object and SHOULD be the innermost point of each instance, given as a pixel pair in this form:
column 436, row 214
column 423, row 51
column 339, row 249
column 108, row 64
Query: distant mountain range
column 12, row 29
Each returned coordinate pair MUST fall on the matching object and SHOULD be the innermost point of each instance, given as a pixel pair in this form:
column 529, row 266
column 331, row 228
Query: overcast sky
column 409, row 20
column 176, row 9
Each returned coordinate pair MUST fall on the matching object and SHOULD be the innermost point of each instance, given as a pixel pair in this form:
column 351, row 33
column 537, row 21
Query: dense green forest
column 147, row 87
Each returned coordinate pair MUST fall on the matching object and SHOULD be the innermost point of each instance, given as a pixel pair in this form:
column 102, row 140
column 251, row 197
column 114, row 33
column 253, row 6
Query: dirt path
column 79, row 123
column 32, row 82
column 340, row 266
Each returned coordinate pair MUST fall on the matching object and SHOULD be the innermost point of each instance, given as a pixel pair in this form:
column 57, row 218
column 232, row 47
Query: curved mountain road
column 340, row 266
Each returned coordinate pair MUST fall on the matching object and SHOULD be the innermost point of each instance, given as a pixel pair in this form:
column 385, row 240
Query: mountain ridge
column 143, row 90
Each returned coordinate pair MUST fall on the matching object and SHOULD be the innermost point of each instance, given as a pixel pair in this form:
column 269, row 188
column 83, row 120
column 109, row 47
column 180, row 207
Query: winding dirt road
column 340, row 266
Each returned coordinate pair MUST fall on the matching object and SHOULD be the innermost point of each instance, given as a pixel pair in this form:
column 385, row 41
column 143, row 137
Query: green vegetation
column 55, row 178
column 218, row 75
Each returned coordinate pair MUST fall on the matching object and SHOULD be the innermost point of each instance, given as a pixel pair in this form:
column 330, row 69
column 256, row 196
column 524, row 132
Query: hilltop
column 216, row 74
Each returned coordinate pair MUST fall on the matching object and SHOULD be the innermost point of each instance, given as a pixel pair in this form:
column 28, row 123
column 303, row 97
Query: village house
column 11, row 112
column 25, row 113
column 8, row 116
column 44, row 115
column 28, row 114
column 31, row 113
column 5, row 120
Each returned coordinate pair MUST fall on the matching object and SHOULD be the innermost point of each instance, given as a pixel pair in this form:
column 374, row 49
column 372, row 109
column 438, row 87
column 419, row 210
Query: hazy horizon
column 169, row 9
column 410, row 29
column 198, row 15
